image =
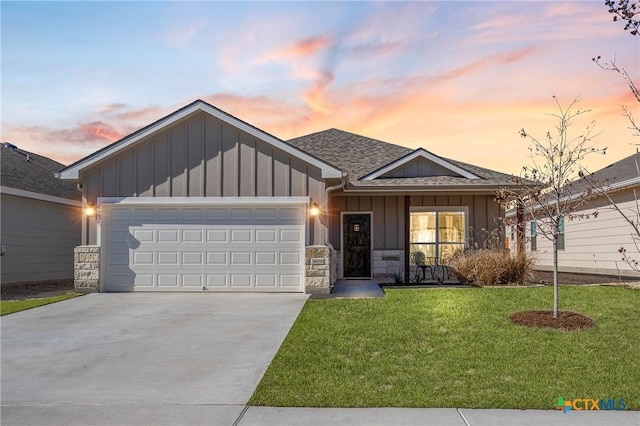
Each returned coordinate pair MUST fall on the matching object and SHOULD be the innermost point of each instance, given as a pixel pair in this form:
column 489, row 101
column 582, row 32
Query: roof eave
column 72, row 172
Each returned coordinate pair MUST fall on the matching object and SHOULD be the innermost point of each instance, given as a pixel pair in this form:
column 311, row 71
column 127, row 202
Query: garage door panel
column 217, row 236
column 241, row 280
column 217, row 258
column 168, row 235
column 241, row 235
column 209, row 248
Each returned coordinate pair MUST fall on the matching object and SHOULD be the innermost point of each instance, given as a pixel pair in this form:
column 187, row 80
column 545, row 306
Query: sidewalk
column 432, row 416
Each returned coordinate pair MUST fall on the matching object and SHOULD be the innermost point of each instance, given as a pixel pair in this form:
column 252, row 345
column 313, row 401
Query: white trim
column 203, row 200
column 420, row 152
column 342, row 250
column 38, row 196
column 72, row 172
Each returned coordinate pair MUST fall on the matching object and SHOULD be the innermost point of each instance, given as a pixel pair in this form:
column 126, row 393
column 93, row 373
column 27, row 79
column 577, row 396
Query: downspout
column 343, row 182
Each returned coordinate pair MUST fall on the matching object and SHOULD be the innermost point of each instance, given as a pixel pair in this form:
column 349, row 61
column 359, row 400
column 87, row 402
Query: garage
column 228, row 246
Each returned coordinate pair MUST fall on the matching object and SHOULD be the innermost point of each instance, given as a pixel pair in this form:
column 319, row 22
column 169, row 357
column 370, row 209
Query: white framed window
column 437, row 232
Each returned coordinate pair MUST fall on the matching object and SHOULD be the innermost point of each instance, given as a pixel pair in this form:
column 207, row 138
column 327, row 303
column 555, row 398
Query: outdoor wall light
column 90, row 210
column 314, row 210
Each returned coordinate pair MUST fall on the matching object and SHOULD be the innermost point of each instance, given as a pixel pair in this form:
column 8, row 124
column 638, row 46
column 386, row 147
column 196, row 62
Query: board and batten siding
column 201, row 156
column 388, row 215
column 419, row 167
column 591, row 245
column 40, row 236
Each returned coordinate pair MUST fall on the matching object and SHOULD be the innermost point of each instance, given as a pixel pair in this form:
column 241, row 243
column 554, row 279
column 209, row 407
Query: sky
column 458, row 78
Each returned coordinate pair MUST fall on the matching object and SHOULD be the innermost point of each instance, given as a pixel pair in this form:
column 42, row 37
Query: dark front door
column 356, row 237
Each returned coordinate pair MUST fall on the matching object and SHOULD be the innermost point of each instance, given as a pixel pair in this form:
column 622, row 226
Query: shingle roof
column 359, row 156
column 622, row 170
column 35, row 175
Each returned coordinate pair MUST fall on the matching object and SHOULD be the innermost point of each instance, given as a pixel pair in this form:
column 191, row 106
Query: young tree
column 627, row 11
column 549, row 188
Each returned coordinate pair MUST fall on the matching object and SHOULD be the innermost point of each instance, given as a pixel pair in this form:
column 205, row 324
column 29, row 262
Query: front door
column 356, row 238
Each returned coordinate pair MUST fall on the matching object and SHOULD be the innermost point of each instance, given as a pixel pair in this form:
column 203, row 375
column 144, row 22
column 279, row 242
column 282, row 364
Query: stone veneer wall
column 319, row 269
column 86, row 266
column 386, row 262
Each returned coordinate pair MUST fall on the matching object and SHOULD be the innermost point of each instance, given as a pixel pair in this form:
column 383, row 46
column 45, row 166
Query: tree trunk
column 556, row 293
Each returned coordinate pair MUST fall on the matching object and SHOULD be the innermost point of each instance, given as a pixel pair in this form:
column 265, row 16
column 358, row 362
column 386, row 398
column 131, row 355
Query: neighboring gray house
column 591, row 245
column 200, row 200
column 40, row 220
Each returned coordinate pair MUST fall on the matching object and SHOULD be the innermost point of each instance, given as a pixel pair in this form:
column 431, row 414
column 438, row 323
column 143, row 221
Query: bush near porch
column 492, row 266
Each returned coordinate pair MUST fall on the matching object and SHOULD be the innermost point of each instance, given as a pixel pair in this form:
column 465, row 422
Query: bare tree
column 550, row 187
column 627, row 11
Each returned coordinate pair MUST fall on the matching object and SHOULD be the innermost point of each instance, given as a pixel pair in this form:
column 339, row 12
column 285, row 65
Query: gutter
column 343, row 182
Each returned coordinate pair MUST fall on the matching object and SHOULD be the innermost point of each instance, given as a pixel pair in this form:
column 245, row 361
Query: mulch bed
column 36, row 290
column 566, row 321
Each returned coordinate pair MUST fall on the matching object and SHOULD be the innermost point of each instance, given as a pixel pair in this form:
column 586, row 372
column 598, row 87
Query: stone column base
column 86, row 269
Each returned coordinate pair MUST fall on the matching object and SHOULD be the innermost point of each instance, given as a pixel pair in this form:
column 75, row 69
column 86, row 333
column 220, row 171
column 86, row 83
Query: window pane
column 422, row 227
column 428, row 250
column 451, row 227
column 448, row 250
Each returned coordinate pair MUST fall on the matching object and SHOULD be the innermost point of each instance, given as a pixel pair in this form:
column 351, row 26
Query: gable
column 419, row 167
column 201, row 156
column 420, row 163
column 73, row 171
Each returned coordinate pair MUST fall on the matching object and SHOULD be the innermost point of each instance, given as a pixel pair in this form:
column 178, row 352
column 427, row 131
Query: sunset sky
column 459, row 79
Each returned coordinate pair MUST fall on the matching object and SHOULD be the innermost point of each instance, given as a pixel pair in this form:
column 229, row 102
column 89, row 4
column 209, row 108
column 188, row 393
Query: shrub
column 488, row 267
column 397, row 275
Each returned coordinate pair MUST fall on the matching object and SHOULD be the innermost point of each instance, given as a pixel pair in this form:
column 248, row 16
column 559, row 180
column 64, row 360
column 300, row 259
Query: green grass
column 456, row 348
column 11, row 306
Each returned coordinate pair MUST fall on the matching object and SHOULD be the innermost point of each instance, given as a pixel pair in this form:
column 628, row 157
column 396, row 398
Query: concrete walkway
column 140, row 358
column 433, row 416
column 353, row 289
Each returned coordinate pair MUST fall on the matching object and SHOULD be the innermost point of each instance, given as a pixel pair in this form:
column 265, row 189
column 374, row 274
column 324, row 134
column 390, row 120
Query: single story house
column 201, row 200
column 591, row 245
column 40, row 218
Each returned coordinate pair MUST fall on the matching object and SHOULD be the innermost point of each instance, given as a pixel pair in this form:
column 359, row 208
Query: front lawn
column 456, row 348
column 11, row 306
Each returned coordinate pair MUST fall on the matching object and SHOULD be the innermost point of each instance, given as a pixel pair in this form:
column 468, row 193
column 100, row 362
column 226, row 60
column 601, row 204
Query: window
column 534, row 236
column 436, row 234
column 561, row 233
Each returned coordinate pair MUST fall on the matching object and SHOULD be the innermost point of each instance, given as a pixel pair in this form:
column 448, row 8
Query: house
column 201, row 200
column 591, row 245
column 40, row 218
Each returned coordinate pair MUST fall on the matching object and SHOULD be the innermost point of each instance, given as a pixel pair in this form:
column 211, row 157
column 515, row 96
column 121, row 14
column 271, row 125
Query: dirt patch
column 566, row 321
column 36, row 290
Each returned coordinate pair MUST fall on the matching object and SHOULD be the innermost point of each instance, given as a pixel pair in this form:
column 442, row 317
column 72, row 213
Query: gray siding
column 419, row 167
column 41, row 236
column 202, row 156
column 388, row 215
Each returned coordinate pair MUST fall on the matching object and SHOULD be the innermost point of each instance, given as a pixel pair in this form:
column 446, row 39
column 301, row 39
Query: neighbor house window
column 437, row 234
column 534, row 236
column 561, row 233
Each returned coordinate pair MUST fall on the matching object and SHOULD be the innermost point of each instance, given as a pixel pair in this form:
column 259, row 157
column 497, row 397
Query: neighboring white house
column 591, row 245
column 40, row 219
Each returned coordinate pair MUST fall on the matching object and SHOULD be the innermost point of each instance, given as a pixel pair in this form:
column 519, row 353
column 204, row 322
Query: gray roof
column 359, row 156
column 620, row 171
column 37, row 174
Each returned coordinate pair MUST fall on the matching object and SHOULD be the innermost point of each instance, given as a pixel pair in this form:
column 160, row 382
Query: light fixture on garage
column 90, row 210
column 314, row 210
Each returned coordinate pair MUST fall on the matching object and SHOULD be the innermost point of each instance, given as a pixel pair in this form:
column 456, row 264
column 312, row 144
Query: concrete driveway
column 140, row 358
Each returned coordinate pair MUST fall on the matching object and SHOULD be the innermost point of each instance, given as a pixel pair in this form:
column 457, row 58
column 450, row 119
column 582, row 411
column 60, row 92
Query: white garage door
column 227, row 248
